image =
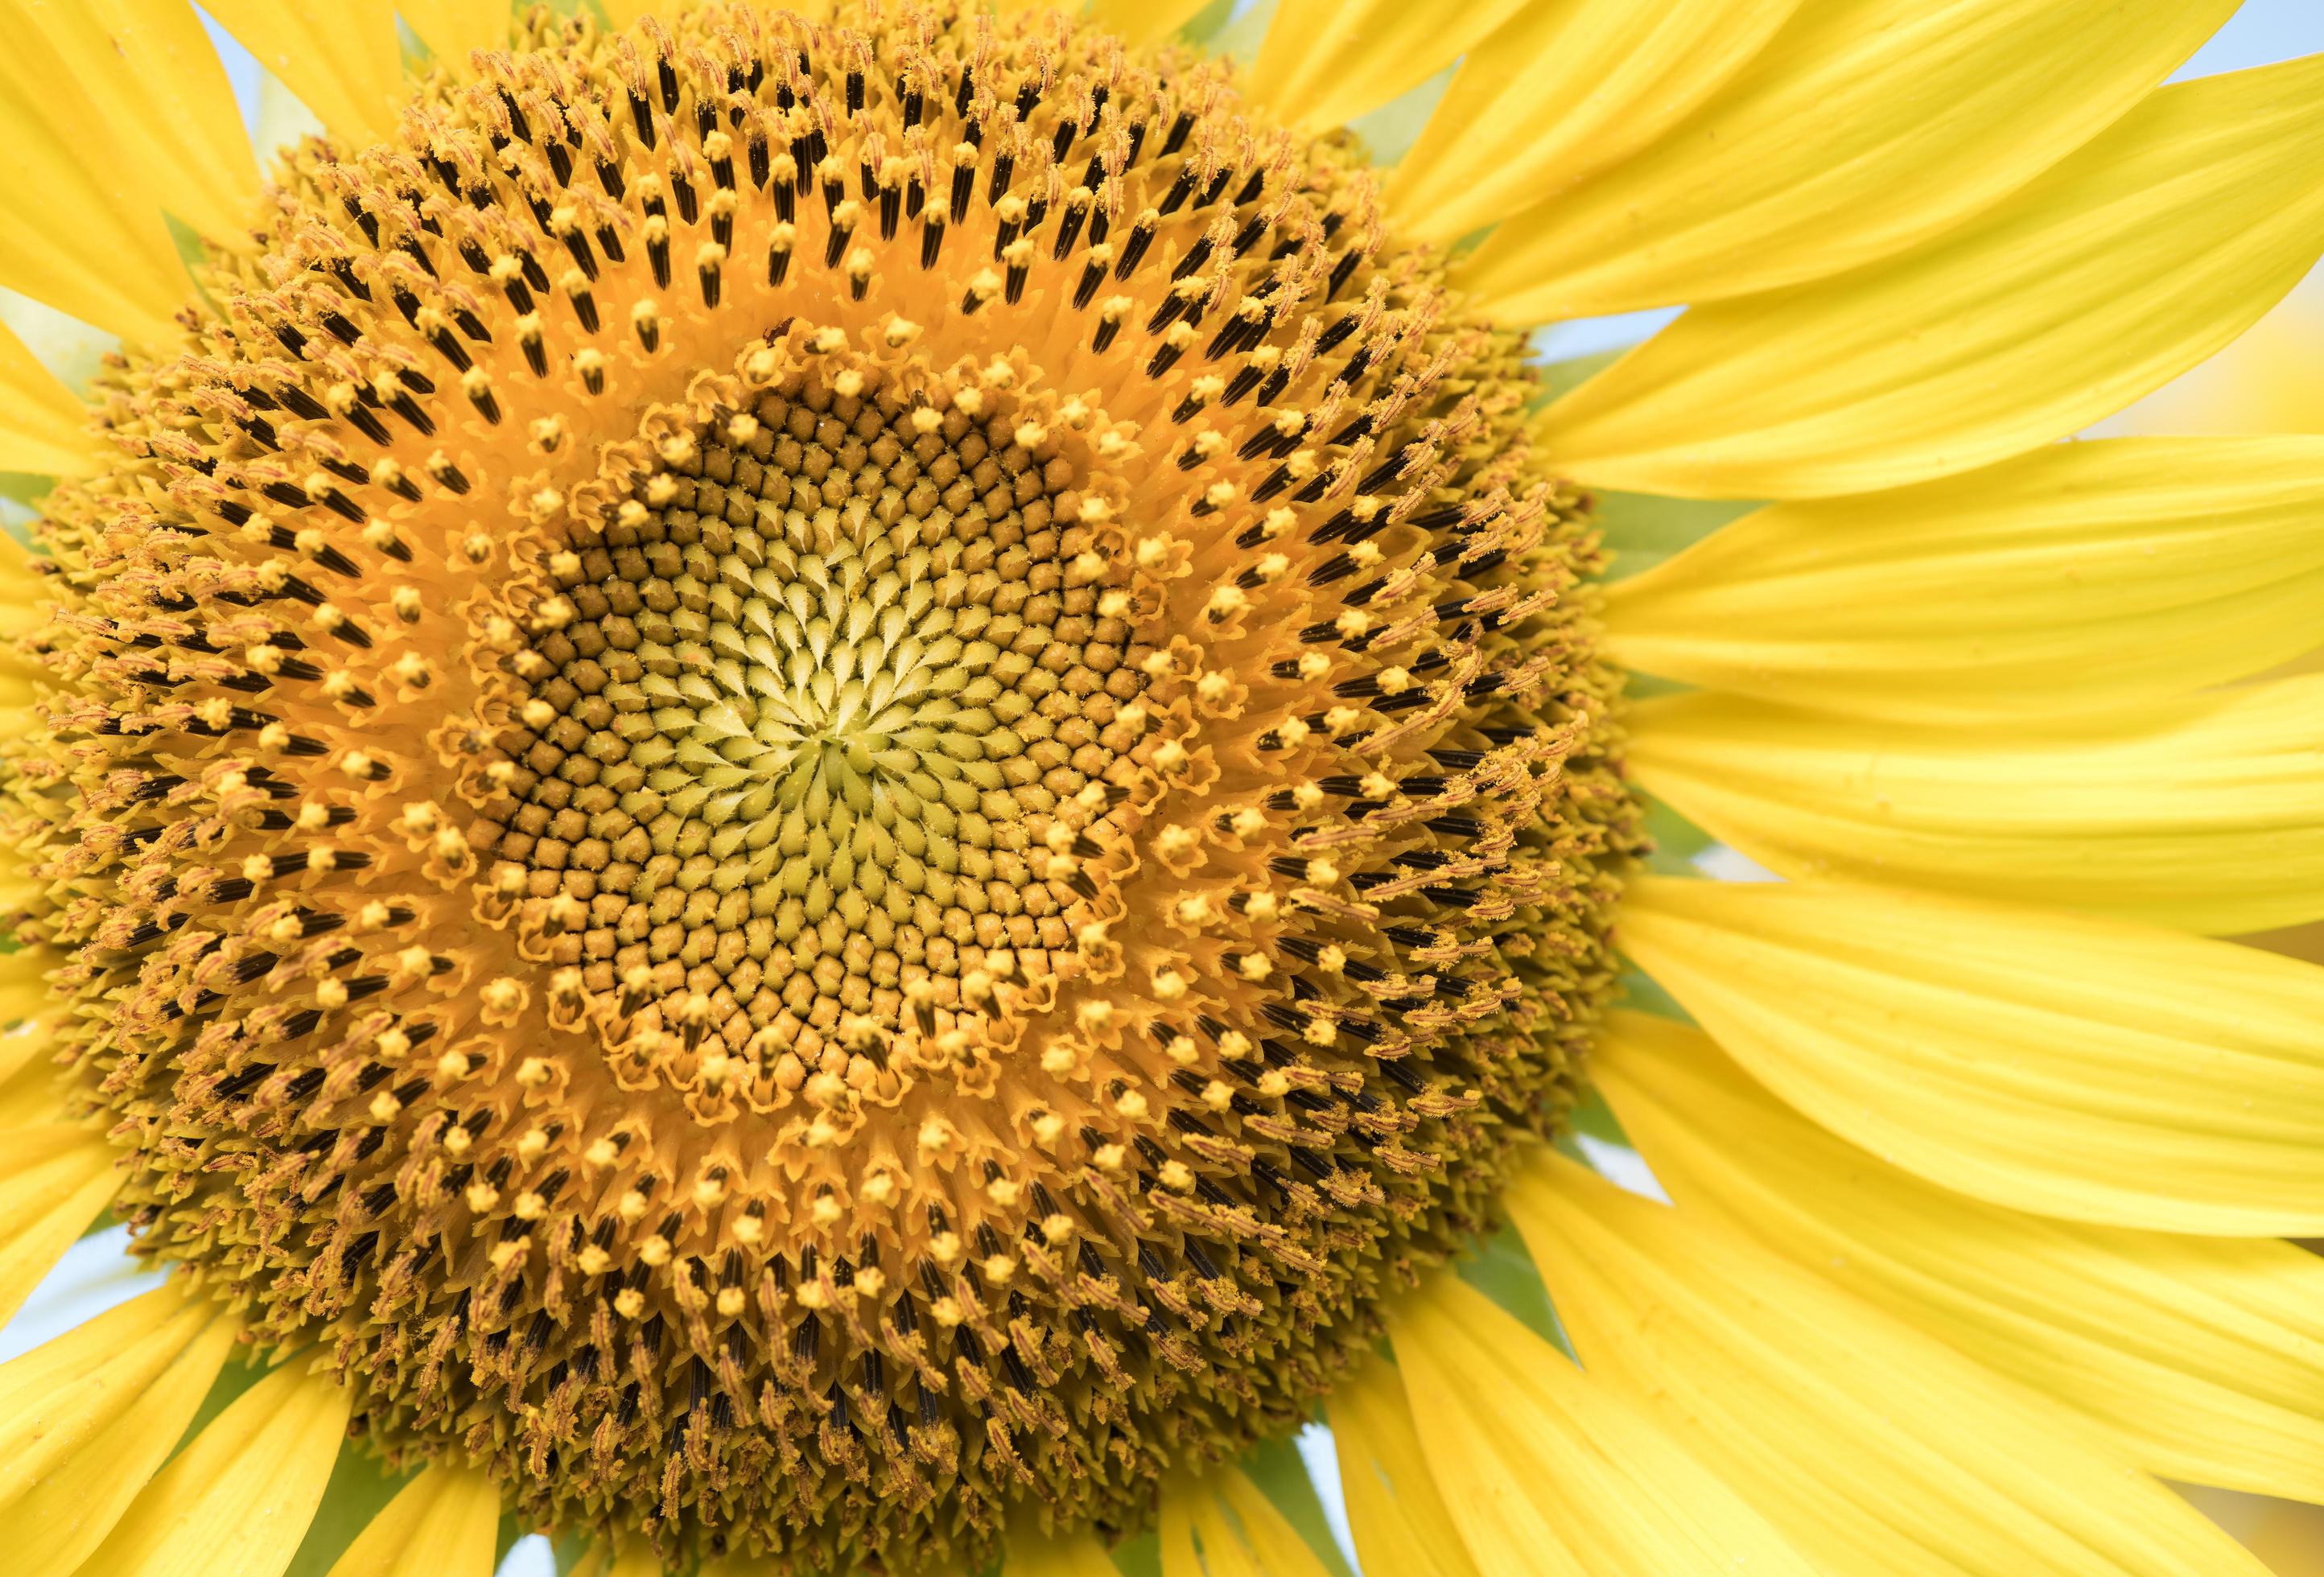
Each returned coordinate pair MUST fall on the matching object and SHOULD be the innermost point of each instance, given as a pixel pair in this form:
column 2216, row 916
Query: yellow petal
column 1545, row 1469
column 2271, row 381
column 44, row 427
column 1183, row 1556
column 1222, row 1527
column 2074, row 1066
column 452, row 28
column 1080, row 1555
column 1264, row 1531
column 1621, row 74
column 1865, row 127
column 1395, row 1510
column 1144, row 20
column 2204, row 813
column 1325, row 62
column 55, row 1179
column 340, row 57
column 2141, row 254
column 2203, row 1356
column 236, row 1501
column 1872, row 1447
column 442, row 1523
column 30, row 1094
column 85, row 1420
column 29, row 1091
column 23, row 977
column 2080, row 576
column 78, row 229
column 150, row 70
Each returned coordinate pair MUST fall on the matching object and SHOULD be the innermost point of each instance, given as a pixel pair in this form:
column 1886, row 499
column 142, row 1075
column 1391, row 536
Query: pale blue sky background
column 2263, row 31
column 95, row 1275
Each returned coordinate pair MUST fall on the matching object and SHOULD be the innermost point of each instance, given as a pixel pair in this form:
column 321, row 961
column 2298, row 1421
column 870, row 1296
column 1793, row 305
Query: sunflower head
column 822, row 777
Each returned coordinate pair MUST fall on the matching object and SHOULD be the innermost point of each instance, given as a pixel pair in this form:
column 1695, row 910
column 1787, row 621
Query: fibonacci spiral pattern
column 825, row 782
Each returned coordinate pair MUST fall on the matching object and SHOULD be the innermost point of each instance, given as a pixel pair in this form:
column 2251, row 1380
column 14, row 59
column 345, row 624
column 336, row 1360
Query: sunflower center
column 825, row 781
column 808, row 707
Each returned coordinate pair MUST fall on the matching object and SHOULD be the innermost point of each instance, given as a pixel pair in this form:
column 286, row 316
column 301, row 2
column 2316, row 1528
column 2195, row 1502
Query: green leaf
column 72, row 350
column 1205, row 23
column 1639, row 991
column 242, row 1371
column 1643, row 530
column 1560, row 378
column 1140, row 1555
column 192, row 250
column 1591, row 1115
column 505, row 1536
column 1239, row 39
column 1676, row 841
column 361, row 1485
column 26, row 487
column 1281, row 1474
column 1389, row 132
column 1501, row 1270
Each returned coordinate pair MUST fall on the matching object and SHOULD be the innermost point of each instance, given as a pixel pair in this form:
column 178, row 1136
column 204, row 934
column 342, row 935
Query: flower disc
column 828, row 780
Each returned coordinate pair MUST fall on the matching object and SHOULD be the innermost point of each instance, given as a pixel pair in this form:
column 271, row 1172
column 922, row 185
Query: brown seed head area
column 828, row 780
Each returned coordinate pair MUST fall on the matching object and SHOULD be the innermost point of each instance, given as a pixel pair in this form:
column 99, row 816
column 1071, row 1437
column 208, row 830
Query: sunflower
column 849, row 789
